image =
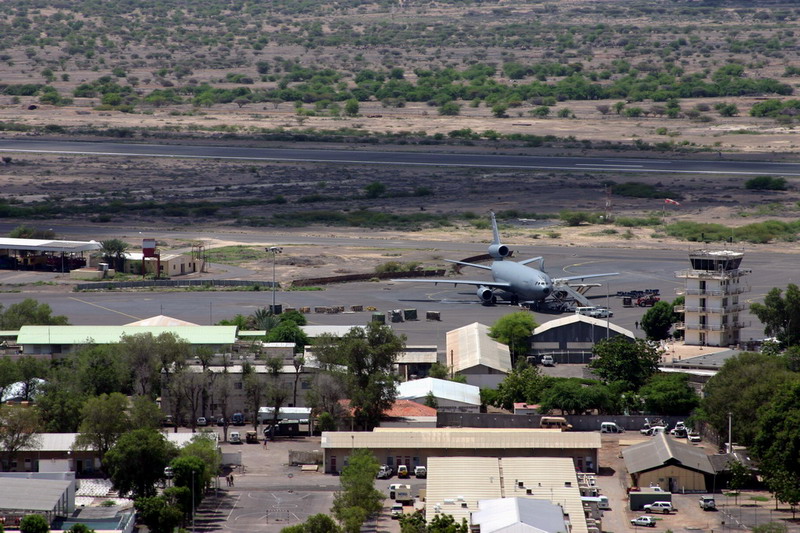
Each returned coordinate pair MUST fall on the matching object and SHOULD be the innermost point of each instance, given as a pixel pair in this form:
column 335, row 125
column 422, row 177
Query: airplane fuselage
column 525, row 283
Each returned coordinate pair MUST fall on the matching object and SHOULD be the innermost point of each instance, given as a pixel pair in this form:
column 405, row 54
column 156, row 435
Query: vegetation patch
column 235, row 255
column 758, row 233
column 635, row 189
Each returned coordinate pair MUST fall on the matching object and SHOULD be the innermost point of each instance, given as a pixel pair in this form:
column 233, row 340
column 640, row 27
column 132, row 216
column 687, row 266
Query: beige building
column 168, row 265
column 414, row 446
column 674, row 466
column 473, row 354
column 457, row 485
column 713, row 290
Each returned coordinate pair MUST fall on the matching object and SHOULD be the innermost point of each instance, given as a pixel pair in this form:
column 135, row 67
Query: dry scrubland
column 586, row 76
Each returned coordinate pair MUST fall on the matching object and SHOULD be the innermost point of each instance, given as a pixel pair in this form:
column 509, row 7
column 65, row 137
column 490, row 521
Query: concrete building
column 483, row 490
column 712, row 291
column 415, row 446
column 674, row 466
column 167, row 265
column 449, row 395
column 473, row 354
column 570, row 339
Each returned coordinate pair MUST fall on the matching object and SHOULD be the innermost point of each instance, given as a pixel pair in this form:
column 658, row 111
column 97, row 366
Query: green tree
column 449, row 109
column 114, row 250
column 29, row 312
column 204, row 447
column 9, row 374
column 441, row 523
column 288, row 331
column 499, row 110
column 357, row 498
column 368, row 355
column 439, row 371
column 740, row 477
column 620, row 359
column 523, row 384
column 34, row 523
column 743, row 385
column 29, row 232
column 158, row 514
column 104, row 420
column 781, row 315
column 145, row 413
column 32, row 372
column 571, row 396
column 190, row 471
column 318, row 523
column 137, row 462
column 80, row 528
column 351, row 107
column 658, row 320
column 514, row 330
column 540, row 111
column 18, row 430
column 669, row 394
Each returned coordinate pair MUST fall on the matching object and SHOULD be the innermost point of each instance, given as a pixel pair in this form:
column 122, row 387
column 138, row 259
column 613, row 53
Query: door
column 333, row 464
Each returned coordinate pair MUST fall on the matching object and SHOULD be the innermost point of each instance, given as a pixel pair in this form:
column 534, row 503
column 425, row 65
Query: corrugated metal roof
column 659, row 450
column 213, row 335
column 161, row 320
column 418, row 354
column 527, row 514
column 63, row 442
column 461, row 438
column 40, row 495
column 455, row 481
column 571, row 319
column 441, row 388
column 471, row 346
column 44, row 245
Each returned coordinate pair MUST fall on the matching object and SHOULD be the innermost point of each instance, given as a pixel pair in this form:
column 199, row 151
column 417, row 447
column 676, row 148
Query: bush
column 766, row 183
column 637, row 189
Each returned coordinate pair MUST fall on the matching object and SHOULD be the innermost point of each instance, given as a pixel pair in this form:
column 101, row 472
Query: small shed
column 674, row 466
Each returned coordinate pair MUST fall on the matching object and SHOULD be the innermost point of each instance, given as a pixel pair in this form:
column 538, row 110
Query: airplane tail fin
column 495, row 232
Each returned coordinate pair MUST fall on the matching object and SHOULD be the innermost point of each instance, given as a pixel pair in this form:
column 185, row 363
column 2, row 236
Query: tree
column 376, row 189
column 158, row 514
column 571, row 396
column 28, row 232
column 441, row 523
column 514, row 330
column 523, row 384
column 318, row 523
column 368, row 355
column 18, row 430
column 357, row 499
column 104, row 420
column 29, row 312
column 113, row 251
column 540, row 111
column 9, row 375
column 32, row 372
column 781, row 315
column 145, row 413
column 204, row 447
column 288, row 331
column 743, row 385
column 100, row 369
column 449, row 109
column 137, row 462
column 740, row 476
column 351, row 107
column 669, row 394
column 34, row 523
column 140, row 353
column 439, row 371
column 620, row 359
column 658, row 320
column 190, row 471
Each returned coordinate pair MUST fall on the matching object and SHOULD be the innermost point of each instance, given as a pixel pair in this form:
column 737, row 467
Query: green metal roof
column 213, row 335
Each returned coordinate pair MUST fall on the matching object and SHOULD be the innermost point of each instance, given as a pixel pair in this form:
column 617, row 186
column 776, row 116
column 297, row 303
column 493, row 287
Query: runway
column 405, row 158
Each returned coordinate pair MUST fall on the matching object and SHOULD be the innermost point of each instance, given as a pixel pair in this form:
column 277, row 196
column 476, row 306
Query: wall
column 579, row 423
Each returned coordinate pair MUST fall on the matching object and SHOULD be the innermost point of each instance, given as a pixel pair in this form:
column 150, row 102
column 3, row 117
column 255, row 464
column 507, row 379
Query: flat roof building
column 457, row 485
column 414, row 446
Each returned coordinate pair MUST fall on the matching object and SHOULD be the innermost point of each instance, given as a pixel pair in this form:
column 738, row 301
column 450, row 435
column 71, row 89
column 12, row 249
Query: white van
column 555, row 422
column 235, row 437
column 585, row 310
column 610, row 427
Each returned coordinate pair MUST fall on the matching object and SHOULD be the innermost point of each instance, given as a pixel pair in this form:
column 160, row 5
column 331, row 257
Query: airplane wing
column 492, row 284
column 570, row 278
column 531, row 260
column 484, row 267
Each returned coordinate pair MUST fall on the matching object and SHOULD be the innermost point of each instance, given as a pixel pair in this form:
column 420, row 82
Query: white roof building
column 449, row 394
column 519, row 515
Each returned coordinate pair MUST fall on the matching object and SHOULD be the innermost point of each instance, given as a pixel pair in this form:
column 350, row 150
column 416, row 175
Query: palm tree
column 113, row 251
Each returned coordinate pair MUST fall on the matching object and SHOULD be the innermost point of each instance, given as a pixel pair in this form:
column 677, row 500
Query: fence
column 106, row 285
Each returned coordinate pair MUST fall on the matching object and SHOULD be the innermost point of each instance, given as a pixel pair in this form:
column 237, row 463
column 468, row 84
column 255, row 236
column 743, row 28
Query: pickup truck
column 646, row 521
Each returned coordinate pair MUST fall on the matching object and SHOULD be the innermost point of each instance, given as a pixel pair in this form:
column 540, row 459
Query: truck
column 647, row 301
column 401, row 493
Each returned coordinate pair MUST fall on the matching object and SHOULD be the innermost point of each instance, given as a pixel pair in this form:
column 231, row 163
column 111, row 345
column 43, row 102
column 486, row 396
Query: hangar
column 44, row 254
column 570, row 339
column 673, row 466
column 471, row 353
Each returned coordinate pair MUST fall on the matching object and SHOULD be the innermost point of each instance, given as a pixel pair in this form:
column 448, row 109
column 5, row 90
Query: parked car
column 251, row 437
column 221, row 421
column 168, row 421
column 708, row 503
column 610, row 427
column 694, row 437
column 420, row 472
column 397, row 510
column 385, row 472
column 202, row 422
column 646, row 521
column 658, row 507
column 402, row 471
column 237, row 419
column 235, row 437
column 547, row 360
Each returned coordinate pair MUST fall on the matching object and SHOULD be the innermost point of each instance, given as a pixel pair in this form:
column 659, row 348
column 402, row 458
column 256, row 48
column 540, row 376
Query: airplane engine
column 499, row 251
column 486, row 295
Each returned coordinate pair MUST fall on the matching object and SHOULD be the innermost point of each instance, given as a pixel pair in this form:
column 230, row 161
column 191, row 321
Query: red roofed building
column 402, row 413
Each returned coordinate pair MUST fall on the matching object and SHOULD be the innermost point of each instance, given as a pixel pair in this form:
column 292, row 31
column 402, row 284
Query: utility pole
column 274, row 250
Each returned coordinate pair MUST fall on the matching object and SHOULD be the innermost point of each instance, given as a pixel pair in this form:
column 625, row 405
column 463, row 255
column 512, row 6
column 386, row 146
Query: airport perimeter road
column 373, row 157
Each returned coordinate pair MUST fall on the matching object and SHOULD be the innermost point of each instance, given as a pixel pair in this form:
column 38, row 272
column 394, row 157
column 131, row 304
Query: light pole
column 274, row 250
column 192, row 500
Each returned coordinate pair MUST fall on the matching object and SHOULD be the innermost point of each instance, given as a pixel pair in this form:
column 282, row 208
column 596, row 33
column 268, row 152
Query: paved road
column 371, row 157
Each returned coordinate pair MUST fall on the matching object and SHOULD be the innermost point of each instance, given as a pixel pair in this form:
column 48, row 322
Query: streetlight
column 192, row 500
column 274, row 250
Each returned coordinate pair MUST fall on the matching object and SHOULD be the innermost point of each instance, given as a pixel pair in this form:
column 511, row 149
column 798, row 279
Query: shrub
column 766, row 183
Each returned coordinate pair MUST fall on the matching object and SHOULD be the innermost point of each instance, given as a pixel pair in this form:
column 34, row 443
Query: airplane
column 512, row 281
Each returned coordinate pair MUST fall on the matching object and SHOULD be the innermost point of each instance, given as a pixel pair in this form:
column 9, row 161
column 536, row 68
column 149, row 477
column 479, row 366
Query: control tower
column 712, row 293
